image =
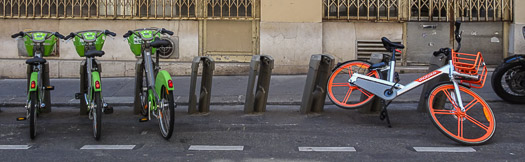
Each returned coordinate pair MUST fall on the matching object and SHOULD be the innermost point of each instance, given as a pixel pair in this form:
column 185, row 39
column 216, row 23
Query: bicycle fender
column 514, row 58
column 33, row 78
column 162, row 79
column 95, row 77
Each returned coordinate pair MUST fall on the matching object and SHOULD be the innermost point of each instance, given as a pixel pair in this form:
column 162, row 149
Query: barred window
column 361, row 9
column 466, row 10
column 119, row 9
column 229, row 8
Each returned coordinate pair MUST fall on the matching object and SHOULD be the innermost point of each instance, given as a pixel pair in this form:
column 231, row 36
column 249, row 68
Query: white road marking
column 444, row 149
column 14, row 147
column 215, row 148
column 328, row 149
column 107, row 147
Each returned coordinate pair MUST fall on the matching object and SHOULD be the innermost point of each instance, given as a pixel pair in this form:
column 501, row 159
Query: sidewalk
column 229, row 90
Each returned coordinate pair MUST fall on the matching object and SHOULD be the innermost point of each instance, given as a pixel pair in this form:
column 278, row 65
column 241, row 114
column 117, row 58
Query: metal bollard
column 435, row 63
column 261, row 66
column 314, row 93
column 84, row 85
column 139, row 66
column 208, row 65
column 374, row 106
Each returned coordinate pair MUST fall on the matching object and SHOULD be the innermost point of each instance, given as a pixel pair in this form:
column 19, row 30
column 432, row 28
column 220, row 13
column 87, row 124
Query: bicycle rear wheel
column 32, row 114
column 344, row 95
column 474, row 126
column 166, row 113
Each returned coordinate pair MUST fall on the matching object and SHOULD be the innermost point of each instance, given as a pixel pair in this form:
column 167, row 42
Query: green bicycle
column 38, row 44
column 89, row 44
column 155, row 97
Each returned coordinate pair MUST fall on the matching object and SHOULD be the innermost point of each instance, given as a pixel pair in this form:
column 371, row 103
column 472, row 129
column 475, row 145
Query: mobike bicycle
column 89, row 44
column 457, row 111
column 154, row 91
column 38, row 44
column 508, row 79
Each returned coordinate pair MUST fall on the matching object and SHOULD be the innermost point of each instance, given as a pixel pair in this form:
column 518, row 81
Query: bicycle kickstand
column 384, row 113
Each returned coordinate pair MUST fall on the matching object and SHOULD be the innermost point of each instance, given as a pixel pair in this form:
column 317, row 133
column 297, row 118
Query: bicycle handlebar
column 17, row 35
column 165, row 31
column 107, row 32
column 127, row 34
column 57, row 34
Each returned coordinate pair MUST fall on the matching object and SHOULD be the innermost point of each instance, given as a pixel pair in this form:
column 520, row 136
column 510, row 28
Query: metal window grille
column 230, row 9
column 418, row 10
column 98, row 9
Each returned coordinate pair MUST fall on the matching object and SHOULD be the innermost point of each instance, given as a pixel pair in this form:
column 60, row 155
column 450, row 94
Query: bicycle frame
column 381, row 87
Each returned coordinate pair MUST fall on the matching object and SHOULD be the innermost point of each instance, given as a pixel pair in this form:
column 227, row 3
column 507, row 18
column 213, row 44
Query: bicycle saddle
column 36, row 61
column 391, row 46
column 159, row 43
column 94, row 53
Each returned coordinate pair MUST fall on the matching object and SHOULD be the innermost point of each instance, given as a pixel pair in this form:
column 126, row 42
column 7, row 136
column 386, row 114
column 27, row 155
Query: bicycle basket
column 471, row 64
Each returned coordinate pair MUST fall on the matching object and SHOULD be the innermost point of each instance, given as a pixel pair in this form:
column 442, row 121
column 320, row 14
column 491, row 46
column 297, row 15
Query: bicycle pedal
column 78, row 95
column 20, row 118
column 108, row 110
column 143, row 119
column 49, row 88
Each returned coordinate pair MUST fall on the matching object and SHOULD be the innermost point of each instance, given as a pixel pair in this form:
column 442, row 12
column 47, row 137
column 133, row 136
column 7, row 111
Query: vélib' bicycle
column 89, row 44
column 155, row 89
column 38, row 44
column 464, row 117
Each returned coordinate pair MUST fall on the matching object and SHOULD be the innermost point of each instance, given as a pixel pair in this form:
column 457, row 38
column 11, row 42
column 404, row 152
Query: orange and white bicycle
column 463, row 116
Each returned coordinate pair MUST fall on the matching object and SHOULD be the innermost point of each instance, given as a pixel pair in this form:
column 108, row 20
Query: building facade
column 232, row 31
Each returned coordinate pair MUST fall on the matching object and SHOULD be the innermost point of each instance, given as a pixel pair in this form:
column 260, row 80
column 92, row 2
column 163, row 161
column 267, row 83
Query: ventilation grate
column 365, row 48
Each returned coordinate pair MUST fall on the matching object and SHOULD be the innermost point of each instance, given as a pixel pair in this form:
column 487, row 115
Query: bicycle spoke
column 365, row 92
column 340, row 84
column 443, row 112
column 471, row 104
column 347, row 95
column 460, row 127
column 481, row 125
column 451, row 100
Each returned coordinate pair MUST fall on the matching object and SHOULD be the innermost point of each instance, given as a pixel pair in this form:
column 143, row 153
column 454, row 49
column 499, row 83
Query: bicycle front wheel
column 475, row 125
column 97, row 116
column 342, row 93
column 32, row 114
column 166, row 113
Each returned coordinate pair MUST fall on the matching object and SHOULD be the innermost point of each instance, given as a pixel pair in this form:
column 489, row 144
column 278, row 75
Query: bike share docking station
column 314, row 94
column 261, row 67
column 84, row 85
column 208, row 66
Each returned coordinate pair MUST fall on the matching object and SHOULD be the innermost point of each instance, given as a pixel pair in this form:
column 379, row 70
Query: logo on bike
column 428, row 76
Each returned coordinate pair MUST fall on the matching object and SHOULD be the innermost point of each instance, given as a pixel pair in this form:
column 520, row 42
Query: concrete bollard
column 376, row 105
column 261, row 66
column 435, row 63
column 208, row 65
column 314, row 94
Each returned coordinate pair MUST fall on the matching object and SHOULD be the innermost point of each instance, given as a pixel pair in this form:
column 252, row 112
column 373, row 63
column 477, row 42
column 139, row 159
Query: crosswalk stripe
column 328, row 149
column 14, row 147
column 215, row 148
column 107, row 147
column 444, row 149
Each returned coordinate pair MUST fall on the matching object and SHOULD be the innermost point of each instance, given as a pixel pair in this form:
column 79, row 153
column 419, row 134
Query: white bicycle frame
column 380, row 87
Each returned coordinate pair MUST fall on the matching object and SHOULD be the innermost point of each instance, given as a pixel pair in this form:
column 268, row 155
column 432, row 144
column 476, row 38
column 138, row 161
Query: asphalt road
column 275, row 135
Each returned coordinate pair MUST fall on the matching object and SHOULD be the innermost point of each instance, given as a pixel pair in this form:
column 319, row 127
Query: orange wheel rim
column 343, row 101
column 463, row 117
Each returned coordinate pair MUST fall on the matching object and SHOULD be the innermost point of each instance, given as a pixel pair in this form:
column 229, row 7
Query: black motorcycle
column 508, row 79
